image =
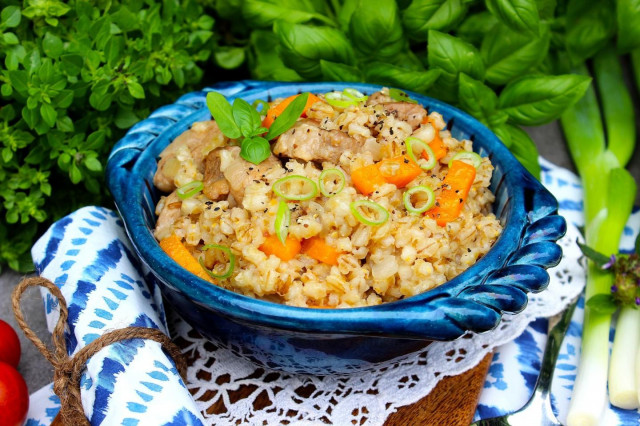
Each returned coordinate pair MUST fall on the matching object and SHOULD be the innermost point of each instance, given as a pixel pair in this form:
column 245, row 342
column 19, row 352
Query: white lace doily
column 217, row 375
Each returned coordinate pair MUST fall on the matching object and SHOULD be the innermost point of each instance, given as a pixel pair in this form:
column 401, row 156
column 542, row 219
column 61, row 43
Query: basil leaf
column 377, row 30
column 628, row 14
column 590, row 25
column 638, row 244
column 229, row 57
column 509, row 54
column 302, row 47
column 332, row 71
column 265, row 62
column 476, row 26
column 598, row 258
column 386, row 74
column 453, row 56
column 289, row 116
column 424, row 15
column 503, row 133
column 262, row 14
column 520, row 15
column 524, row 149
column 546, row 9
column 602, row 304
column 534, row 100
column 221, row 111
column 245, row 117
column 259, row 131
column 255, row 150
column 408, row 60
column 345, row 12
column 478, row 99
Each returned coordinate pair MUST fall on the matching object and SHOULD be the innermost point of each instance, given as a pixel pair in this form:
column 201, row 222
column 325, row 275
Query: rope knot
column 61, row 377
column 67, row 371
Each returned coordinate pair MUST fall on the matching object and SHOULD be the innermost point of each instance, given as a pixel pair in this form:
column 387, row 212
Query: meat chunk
column 226, row 172
column 215, row 184
column 307, row 142
column 197, row 141
column 168, row 211
column 378, row 98
column 405, row 111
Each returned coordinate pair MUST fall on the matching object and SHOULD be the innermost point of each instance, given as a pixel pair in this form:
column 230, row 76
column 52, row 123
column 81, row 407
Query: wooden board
column 452, row 402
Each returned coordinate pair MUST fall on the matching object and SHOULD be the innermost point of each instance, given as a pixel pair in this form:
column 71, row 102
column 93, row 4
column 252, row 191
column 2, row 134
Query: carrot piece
column 276, row 110
column 399, row 170
column 177, row 251
column 457, row 184
column 437, row 145
column 286, row 251
column 318, row 249
column 367, row 179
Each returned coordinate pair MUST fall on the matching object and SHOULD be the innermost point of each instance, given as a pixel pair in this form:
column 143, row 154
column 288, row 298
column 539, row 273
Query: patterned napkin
column 87, row 254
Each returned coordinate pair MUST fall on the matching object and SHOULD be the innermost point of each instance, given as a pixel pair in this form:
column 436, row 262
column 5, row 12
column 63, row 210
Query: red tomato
column 9, row 345
column 14, row 397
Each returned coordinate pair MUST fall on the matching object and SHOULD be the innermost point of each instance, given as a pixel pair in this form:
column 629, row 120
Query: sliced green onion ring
column 295, row 187
column 425, row 204
column 190, row 189
column 399, row 95
column 420, row 146
column 468, row 157
column 259, row 102
column 369, row 213
column 232, row 261
column 340, row 100
column 336, row 177
column 283, row 219
column 354, row 94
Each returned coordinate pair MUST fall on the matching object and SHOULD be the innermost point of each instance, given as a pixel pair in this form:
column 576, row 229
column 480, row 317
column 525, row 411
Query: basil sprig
column 288, row 117
column 242, row 121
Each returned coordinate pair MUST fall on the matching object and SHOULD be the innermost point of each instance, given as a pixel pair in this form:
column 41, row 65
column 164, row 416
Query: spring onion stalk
column 261, row 106
column 609, row 192
column 339, row 100
column 224, row 250
column 623, row 384
column 369, row 213
column 399, row 95
column 426, row 199
column 335, row 177
column 356, row 95
column 295, row 187
column 190, row 189
column 468, row 157
column 416, row 148
column 282, row 222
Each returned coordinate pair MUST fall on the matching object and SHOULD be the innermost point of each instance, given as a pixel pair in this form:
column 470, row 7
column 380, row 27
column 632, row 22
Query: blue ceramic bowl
column 323, row 341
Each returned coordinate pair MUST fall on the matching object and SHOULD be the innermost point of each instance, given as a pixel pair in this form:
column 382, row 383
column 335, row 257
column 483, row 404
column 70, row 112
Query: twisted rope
column 68, row 370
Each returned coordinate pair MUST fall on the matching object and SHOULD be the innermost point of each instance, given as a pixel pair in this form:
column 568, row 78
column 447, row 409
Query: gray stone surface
column 35, row 369
column 37, row 372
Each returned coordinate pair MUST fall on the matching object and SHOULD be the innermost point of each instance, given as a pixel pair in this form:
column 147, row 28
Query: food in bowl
column 358, row 201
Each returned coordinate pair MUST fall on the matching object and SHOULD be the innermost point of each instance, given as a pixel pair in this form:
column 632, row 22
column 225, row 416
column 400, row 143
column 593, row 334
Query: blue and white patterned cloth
column 87, row 255
column 515, row 366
